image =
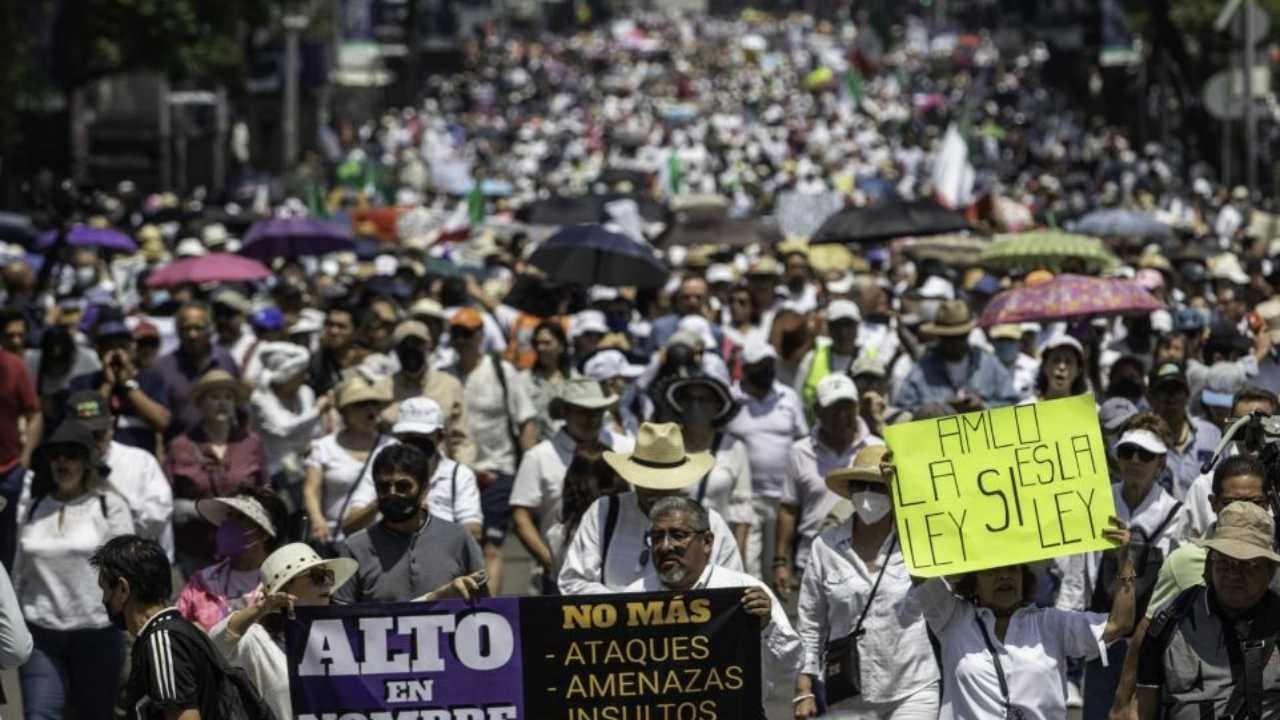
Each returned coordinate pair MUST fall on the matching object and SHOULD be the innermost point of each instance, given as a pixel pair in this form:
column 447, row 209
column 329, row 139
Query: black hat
column 90, row 409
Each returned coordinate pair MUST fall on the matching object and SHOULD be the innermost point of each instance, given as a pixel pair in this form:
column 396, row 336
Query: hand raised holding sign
column 1119, row 534
column 756, row 602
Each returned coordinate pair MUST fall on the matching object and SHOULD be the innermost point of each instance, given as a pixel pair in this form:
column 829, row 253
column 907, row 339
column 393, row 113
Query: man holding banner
column 679, row 536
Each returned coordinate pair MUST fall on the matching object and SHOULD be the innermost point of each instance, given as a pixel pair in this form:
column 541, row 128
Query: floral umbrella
column 1049, row 250
column 1069, row 296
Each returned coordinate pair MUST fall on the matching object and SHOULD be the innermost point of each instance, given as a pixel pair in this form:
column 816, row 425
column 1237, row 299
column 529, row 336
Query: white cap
column 609, row 364
column 699, row 326
column 937, row 288
column 419, row 416
column 834, row 388
column 720, row 273
column 587, row 321
column 1062, row 340
column 1144, row 439
column 190, row 247
column 841, row 285
column 601, row 293
column 757, row 350
column 843, row 310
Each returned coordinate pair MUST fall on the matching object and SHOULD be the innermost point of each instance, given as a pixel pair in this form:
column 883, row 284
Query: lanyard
column 1009, row 710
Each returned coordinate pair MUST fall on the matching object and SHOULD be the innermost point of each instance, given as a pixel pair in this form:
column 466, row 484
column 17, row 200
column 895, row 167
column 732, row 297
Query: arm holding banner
column 1124, row 601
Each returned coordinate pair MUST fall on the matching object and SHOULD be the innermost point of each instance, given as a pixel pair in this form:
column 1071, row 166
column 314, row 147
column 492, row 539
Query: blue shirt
column 179, row 376
column 929, row 383
column 131, row 428
column 1182, row 464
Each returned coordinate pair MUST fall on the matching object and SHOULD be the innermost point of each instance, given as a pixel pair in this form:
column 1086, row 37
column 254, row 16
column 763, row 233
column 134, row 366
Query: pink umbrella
column 215, row 267
column 1069, row 296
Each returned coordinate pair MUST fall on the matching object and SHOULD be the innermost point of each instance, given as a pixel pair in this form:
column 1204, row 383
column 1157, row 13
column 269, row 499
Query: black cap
column 1165, row 373
column 89, row 409
column 73, row 433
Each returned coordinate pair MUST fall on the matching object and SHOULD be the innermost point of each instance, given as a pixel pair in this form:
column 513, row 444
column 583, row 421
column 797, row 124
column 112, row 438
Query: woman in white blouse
column 1004, row 657
column 1156, row 520
column 286, row 413
column 65, row 517
column 705, row 406
column 339, row 461
column 899, row 673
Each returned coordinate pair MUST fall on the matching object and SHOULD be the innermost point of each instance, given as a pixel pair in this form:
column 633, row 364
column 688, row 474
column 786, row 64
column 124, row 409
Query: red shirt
column 17, row 398
column 197, row 473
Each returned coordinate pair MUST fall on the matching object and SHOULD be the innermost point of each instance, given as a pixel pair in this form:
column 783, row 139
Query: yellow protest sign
column 1000, row 487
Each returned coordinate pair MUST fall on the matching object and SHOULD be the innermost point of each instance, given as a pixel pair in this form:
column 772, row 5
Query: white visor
column 1144, row 439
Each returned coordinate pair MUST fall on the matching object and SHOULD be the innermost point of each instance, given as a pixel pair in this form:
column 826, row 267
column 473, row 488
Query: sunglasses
column 461, row 332
column 1129, row 452
column 321, row 577
column 677, row 538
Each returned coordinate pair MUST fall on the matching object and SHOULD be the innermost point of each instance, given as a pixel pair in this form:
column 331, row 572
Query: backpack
column 1147, row 559
column 238, row 699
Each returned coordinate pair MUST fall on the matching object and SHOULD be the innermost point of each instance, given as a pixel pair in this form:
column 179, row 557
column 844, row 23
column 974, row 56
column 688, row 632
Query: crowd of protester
column 189, row 463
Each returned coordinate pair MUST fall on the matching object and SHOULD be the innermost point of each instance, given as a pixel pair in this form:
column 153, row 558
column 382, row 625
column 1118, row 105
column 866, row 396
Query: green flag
column 675, row 172
column 316, row 206
column 475, row 205
column 853, row 83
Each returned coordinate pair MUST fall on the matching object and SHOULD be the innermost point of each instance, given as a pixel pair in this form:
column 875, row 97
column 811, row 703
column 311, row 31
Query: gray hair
column 681, row 504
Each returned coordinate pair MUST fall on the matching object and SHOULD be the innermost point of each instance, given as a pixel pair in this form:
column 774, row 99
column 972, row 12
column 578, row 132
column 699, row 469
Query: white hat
column 609, row 364
column 835, row 388
column 1062, row 340
column 306, row 324
column 937, row 288
column 583, row 393
column 190, row 247
column 418, row 416
column 214, row 234
column 587, row 321
column 699, row 326
column 841, row 285
column 282, row 361
column 1144, row 439
column 292, row 560
column 601, row 293
column 720, row 273
column 216, row 511
column 757, row 350
column 427, row 307
column 843, row 310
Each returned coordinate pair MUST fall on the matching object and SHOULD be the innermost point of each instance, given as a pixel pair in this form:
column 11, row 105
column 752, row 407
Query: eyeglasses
column 1242, row 567
column 1129, row 452
column 678, row 538
column 321, row 577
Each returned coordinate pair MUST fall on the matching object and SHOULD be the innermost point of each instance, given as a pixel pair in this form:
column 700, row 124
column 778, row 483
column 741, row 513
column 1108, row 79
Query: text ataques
column 692, row 656
column 1000, row 487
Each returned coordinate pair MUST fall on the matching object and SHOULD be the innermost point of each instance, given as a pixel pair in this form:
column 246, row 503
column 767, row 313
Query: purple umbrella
column 1067, row 297
column 294, row 237
column 84, row 236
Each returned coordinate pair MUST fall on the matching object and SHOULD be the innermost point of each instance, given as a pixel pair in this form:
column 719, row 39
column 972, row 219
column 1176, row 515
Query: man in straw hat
column 608, row 553
column 536, row 495
column 1213, row 648
column 680, row 539
column 953, row 371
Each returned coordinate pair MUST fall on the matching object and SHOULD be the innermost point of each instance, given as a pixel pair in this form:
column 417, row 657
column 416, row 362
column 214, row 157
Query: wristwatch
column 130, row 385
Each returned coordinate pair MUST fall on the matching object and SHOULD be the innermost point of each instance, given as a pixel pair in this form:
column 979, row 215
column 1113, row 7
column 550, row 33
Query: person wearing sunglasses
column 253, row 638
column 1155, row 519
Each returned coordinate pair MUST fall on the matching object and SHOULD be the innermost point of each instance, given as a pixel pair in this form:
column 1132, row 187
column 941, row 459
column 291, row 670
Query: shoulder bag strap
column 995, row 660
column 702, row 486
column 1165, row 523
column 857, row 629
column 453, row 484
column 352, row 490
column 506, row 405
column 610, row 525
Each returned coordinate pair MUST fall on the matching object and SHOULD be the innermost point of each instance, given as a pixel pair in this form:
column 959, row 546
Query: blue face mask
column 159, row 297
column 1007, row 351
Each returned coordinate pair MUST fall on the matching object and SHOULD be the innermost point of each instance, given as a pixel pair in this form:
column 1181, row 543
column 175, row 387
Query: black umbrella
column 886, row 221
column 539, row 296
column 720, row 231
column 561, row 210
column 591, row 255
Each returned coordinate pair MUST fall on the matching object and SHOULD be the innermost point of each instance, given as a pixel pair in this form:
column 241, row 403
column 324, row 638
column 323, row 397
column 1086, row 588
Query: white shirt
column 453, row 494
column 338, row 470
column 141, row 483
column 805, row 486
column 728, row 486
column 1197, row 514
column 768, row 426
column 56, row 586
column 779, row 644
column 488, row 415
column 286, row 432
column 1080, row 572
column 539, row 484
column 262, row 659
column 897, row 659
column 628, row 557
column 1033, row 654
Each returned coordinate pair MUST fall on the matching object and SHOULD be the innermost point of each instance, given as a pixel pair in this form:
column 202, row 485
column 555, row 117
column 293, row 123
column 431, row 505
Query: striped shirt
column 172, row 669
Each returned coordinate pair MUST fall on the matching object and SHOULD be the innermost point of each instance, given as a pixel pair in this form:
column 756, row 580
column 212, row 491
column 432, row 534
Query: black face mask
column 412, row 359
column 762, row 377
column 398, row 508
